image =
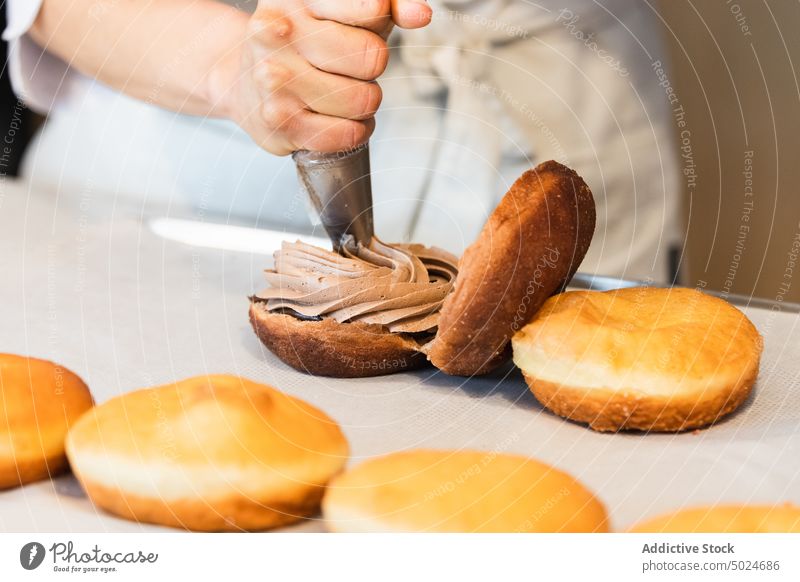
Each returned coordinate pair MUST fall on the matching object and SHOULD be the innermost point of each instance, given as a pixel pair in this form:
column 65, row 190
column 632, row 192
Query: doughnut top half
column 460, row 491
column 530, row 248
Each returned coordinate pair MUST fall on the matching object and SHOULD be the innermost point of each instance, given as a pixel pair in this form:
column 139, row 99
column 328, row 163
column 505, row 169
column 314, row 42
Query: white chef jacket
column 488, row 89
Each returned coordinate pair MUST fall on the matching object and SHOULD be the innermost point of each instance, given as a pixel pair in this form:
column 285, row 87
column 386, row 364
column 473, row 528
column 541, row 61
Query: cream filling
column 398, row 286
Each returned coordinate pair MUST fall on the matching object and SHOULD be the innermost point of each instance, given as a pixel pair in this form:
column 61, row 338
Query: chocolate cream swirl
column 401, row 287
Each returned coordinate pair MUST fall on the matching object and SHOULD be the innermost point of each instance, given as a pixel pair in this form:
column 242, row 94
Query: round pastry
column 639, row 358
column 211, row 453
column 365, row 313
column 529, row 249
column 726, row 519
column 39, row 401
column 459, row 491
column 376, row 308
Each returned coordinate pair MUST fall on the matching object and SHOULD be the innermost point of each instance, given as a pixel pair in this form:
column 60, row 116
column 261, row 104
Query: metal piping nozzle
column 339, row 187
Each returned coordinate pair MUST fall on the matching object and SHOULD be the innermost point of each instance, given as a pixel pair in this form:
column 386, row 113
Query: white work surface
column 92, row 286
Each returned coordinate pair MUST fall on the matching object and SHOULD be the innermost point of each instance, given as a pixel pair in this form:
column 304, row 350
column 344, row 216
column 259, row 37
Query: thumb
column 411, row 13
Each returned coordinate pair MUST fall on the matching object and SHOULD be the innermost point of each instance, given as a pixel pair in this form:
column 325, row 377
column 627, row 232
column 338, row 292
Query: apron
column 487, row 90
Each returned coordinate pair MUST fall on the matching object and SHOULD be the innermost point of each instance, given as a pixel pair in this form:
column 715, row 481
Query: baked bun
column 330, row 348
column 639, row 358
column 39, row 401
column 529, row 249
column 726, row 519
column 379, row 309
column 211, row 453
column 365, row 312
column 459, row 491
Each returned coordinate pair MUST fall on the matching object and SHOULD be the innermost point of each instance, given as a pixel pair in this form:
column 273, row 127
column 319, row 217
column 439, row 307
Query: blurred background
column 736, row 119
column 734, row 65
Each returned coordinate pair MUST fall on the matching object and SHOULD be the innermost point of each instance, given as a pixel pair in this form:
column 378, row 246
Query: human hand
column 303, row 76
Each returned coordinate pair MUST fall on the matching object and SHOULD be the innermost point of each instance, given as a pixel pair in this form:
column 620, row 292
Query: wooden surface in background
column 734, row 67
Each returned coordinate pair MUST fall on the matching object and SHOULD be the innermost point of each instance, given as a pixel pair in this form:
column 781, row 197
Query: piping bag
column 339, row 189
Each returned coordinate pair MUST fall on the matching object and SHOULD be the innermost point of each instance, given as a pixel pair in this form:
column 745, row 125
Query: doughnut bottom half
column 235, row 512
column 330, row 348
column 610, row 411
